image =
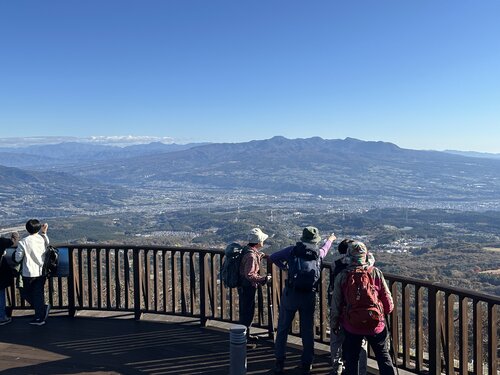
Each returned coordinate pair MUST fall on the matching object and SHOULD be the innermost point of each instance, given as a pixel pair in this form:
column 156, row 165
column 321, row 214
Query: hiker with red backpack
column 340, row 263
column 360, row 301
column 303, row 263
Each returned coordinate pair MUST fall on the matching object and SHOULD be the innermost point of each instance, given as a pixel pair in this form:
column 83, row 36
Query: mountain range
column 334, row 168
column 345, row 167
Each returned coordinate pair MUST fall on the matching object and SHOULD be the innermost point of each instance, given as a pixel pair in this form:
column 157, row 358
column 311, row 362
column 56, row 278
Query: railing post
column 463, row 335
column 270, row 300
column 137, row 284
column 394, row 320
column 450, row 335
column 203, row 291
column 71, row 284
column 477, row 336
column 419, row 329
column 434, row 332
column 492, row 339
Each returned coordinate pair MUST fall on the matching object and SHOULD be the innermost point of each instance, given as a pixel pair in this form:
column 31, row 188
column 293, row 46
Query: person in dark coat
column 7, row 274
column 295, row 299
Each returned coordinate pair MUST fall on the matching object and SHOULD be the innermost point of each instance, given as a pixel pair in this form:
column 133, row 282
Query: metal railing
column 434, row 328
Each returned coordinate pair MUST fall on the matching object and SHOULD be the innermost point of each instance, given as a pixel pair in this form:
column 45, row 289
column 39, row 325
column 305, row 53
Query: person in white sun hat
column 251, row 279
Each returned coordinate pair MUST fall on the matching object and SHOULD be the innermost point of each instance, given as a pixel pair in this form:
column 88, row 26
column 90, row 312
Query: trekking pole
column 270, row 308
column 392, row 350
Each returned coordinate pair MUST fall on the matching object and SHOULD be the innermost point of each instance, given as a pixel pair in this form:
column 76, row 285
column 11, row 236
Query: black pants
column 33, row 293
column 380, row 345
column 246, row 296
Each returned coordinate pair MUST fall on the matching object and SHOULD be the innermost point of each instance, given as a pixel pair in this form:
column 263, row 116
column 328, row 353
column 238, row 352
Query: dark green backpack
column 230, row 271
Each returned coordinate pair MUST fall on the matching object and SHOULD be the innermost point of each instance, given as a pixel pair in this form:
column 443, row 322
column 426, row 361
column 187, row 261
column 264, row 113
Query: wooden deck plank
column 100, row 343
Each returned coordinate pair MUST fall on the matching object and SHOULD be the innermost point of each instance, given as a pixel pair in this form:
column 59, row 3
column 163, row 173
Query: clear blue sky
column 423, row 74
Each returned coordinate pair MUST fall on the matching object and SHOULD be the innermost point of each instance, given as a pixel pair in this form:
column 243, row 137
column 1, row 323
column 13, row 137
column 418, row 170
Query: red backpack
column 363, row 309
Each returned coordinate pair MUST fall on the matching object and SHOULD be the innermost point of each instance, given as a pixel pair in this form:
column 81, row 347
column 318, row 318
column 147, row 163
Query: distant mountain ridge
column 351, row 168
column 67, row 153
column 474, row 154
column 315, row 165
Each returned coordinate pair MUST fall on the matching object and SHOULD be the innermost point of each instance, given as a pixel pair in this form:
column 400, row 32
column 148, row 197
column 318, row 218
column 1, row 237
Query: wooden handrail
column 436, row 327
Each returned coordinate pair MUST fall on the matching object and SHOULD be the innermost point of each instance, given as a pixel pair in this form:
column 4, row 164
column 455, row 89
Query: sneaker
column 37, row 322
column 5, row 321
column 279, row 367
column 47, row 310
column 251, row 345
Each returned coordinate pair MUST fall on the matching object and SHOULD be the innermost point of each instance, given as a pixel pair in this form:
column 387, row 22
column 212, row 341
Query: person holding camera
column 31, row 251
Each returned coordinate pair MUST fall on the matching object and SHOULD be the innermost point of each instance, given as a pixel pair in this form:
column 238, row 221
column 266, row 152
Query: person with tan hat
column 303, row 263
column 251, row 279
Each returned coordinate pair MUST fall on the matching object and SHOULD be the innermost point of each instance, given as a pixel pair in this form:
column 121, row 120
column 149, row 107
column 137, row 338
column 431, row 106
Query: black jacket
column 337, row 267
column 7, row 274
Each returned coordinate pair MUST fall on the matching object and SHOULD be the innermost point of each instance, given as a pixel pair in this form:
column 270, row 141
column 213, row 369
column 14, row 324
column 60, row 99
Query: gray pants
column 304, row 303
column 336, row 342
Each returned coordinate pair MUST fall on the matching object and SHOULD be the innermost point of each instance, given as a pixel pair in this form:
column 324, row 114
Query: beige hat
column 358, row 253
column 256, row 235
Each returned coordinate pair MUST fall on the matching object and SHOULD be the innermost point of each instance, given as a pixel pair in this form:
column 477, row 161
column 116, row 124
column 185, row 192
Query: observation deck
column 161, row 310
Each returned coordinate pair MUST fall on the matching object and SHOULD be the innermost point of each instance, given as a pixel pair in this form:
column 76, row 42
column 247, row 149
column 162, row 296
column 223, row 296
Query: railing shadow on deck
column 435, row 328
column 119, row 346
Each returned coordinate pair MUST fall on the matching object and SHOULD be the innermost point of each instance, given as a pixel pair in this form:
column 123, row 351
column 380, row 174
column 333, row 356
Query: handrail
column 445, row 288
column 435, row 327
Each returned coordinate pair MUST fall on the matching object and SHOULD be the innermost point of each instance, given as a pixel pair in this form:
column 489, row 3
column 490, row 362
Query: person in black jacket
column 7, row 274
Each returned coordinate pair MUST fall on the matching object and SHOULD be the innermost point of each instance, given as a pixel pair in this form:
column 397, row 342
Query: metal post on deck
column 238, row 350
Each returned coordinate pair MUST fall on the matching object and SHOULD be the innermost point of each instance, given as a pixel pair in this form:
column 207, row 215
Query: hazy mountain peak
column 474, row 154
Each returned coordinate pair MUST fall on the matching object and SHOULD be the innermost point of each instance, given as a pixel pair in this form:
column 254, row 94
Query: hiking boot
column 337, row 369
column 251, row 345
column 305, row 368
column 47, row 310
column 37, row 322
column 279, row 367
column 7, row 320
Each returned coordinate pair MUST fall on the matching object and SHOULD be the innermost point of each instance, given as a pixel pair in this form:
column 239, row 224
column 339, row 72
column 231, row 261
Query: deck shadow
column 121, row 345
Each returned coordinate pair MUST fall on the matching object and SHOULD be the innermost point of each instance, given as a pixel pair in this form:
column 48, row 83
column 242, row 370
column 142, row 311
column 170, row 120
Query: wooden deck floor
column 103, row 343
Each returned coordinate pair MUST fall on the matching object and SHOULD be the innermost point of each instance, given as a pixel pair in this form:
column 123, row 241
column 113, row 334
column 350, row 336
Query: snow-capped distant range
column 115, row 140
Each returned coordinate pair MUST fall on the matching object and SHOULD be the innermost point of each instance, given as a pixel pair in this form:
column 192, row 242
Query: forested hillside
column 457, row 248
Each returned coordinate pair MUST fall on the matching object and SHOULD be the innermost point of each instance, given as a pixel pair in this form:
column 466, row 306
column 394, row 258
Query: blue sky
column 423, row 74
